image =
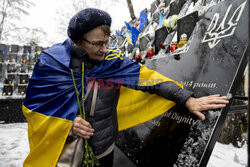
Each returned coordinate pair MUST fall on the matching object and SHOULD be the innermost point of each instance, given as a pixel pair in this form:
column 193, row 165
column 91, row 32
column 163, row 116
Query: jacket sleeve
column 168, row 90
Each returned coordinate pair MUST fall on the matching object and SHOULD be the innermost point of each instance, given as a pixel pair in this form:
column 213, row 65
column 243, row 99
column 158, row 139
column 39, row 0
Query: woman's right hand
column 82, row 128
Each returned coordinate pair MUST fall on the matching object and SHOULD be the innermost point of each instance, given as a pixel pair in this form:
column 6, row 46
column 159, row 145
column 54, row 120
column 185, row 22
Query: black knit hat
column 86, row 20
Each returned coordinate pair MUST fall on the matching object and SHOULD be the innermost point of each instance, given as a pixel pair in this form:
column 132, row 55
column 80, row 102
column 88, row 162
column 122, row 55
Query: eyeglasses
column 97, row 45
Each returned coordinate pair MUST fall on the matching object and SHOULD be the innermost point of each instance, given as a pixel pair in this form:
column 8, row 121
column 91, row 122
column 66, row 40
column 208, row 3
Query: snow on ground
column 228, row 156
column 14, row 145
column 14, row 148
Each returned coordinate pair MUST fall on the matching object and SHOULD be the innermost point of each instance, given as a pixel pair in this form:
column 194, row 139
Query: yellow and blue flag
column 161, row 24
column 128, row 36
column 27, row 55
column 51, row 103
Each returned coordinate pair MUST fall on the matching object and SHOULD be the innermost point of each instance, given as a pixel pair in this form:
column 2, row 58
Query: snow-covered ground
column 14, row 148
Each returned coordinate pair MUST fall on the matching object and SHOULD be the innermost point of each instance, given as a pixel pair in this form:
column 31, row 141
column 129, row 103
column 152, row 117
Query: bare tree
column 11, row 11
column 34, row 36
column 131, row 9
column 63, row 16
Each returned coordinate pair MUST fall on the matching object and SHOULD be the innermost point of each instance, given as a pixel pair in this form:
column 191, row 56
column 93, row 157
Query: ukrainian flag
column 51, row 105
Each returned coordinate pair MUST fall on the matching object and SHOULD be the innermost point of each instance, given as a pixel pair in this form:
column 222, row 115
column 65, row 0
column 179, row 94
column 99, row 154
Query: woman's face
column 95, row 43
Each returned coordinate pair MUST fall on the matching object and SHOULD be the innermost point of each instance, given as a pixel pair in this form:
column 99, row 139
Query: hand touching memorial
column 197, row 105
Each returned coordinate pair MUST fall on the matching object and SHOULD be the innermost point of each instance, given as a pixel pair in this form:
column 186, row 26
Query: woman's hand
column 82, row 128
column 196, row 105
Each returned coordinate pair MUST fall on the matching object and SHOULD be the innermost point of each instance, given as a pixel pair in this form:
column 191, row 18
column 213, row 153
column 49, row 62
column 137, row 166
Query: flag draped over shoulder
column 51, row 104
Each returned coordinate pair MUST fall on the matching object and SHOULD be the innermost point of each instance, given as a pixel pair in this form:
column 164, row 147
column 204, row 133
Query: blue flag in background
column 161, row 24
column 143, row 20
column 118, row 33
column 128, row 26
column 135, row 34
column 3, row 51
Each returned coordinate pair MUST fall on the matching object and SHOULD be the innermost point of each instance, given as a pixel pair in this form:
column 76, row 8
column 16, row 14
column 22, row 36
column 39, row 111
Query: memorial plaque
column 130, row 48
column 10, row 79
column 122, row 48
column 154, row 6
column 23, row 79
column 175, row 7
column 186, row 25
column 12, row 57
column 7, row 90
column 120, row 41
column 14, row 48
column 26, row 49
column 4, row 49
column 11, row 68
column 167, row 2
column 22, row 89
column 38, row 48
column 24, row 68
column 213, row 64
column 156, row 17
column 144, row 40
column 160, row 36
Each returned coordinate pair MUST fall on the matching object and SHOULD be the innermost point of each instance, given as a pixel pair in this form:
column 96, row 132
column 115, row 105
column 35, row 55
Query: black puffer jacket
column 104, row 120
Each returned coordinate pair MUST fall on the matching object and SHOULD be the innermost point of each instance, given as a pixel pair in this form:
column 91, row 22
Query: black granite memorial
column 14, row 76
column 176, row 6
column 213, row 64
column 186, row 25
column 156, row 17
column 120, row 40
column 130, row 48
column 4, row 49
column 9, row 79
column 144, row 42
column 11, row 58
column 24, row 68
column 160, row 36
column 154, row 6
column 11, row 68
column 23, row 79
column 167, row 2
column 26, row 49
column 7, row 90
column 14, row 48
column 22, row 89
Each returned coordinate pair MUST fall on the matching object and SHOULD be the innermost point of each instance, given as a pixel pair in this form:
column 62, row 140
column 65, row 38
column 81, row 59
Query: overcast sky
column 43, row 14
